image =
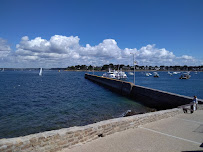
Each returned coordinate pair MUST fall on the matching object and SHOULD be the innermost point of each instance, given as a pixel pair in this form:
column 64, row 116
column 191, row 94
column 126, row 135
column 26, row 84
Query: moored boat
column 185, row 76
column 156, row 75
column 130, row 73
column 109, row 74
column 120, row 75
column 147, row 74
column 115, row 74
column 169, row 73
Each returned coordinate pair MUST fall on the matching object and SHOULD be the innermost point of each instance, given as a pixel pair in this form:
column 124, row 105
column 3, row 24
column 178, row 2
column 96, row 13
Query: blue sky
column 59, row 33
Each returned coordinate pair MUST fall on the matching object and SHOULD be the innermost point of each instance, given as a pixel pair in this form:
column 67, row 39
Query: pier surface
column 181, row 133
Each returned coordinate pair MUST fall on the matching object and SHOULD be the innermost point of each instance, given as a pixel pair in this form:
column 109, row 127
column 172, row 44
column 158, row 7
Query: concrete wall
column 159, row 99
column 113, row 84
column 52, row 141
column 150, row 97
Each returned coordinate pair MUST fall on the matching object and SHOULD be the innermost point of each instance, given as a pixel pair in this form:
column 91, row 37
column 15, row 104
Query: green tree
column 90, row 67
column 105, row 67
column 83, row 67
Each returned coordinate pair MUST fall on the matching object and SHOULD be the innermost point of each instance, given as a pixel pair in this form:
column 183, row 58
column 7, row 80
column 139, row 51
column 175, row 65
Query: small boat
column 2, row 70
column 176, row 72
column 109, row 74
column 169, row 73
column 40, row 72
column 185, row 76
column 115, row 74
column 156, row 75
column 120, row 75
column 130, row 73
column 147, row 74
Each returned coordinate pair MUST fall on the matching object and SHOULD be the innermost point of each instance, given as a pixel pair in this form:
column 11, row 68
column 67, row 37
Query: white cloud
column 62, row 51
column 36, row 45
column 4, row 49
column 107, row 49
column 186, row 57
column 54, row 50
column 66, row 50
column 150, row 55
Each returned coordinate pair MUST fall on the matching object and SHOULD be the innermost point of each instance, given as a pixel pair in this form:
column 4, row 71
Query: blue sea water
column 187, row 87
column 30, row 103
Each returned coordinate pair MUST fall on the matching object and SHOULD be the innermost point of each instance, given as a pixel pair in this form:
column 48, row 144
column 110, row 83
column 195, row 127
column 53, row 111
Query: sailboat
column 2, row 70
column 170, row 73
column 40, row 72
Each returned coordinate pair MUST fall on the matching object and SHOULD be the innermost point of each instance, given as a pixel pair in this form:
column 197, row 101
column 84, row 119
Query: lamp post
column 133, row 65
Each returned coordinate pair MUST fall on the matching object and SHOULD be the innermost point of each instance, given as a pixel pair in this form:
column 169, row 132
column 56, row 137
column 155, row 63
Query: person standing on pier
column 195, row 103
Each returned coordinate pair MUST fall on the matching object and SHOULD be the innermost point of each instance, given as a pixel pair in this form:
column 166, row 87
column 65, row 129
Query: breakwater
column 152, row 98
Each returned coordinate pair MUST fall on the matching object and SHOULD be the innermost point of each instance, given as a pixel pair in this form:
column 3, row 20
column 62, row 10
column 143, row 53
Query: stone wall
column 118, row 86
column 153, row 98
column 56, row 140
column 158, row 99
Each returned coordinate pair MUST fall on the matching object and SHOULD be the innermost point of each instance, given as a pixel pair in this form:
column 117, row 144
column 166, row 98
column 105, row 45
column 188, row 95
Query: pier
column 149, row 97
column 181, row 133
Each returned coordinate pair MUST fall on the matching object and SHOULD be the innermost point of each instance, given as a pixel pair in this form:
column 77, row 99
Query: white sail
column 40, row 72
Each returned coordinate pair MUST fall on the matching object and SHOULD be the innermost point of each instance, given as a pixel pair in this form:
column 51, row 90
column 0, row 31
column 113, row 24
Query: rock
column 131, row 113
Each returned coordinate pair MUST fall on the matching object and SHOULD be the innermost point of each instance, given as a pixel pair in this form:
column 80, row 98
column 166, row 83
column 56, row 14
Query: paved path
column 182, row 133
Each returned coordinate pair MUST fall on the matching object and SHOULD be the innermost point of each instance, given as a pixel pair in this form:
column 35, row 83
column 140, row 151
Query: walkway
column 182, row 133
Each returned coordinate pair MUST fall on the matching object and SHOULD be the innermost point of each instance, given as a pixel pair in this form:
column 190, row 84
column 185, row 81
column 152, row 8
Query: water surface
column 30, row 103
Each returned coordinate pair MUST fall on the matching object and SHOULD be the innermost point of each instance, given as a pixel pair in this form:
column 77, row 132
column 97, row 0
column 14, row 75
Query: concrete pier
column 181, row 133
column 150, row 97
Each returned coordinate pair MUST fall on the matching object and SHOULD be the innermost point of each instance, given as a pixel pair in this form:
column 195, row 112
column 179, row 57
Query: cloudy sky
column 61, row 33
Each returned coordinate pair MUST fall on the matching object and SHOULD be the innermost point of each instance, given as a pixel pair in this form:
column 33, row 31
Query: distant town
column 116, row 67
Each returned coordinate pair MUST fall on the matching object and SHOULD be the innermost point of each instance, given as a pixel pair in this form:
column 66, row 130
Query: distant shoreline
column 64, row 69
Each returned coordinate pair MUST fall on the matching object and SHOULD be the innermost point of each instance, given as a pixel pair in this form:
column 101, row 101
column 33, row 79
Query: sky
column 61, row 33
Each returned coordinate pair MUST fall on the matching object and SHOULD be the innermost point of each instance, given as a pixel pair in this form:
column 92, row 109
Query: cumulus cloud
column 66, row 50
column 57, row 49
column 150, row 55
column 4, row 48
column 107, row 49
column 62, row 51
column 186, row 57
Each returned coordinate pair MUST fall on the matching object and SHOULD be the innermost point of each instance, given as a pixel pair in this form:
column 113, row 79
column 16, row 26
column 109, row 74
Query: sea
column 30, row 103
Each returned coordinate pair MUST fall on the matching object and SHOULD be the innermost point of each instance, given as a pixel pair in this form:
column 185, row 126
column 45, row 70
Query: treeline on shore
column 130, row 68
column 116, row 67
